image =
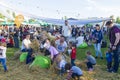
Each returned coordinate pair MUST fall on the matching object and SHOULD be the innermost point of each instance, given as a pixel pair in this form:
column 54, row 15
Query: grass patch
column 20, row 71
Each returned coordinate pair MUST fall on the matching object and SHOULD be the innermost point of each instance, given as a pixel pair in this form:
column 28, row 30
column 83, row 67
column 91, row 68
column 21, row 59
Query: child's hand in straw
column 86, row 60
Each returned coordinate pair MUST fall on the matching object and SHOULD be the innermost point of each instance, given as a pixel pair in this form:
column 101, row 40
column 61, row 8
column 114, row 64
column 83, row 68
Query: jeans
column 109, row 65
column 89, row 65
column 73, row 62
column 16, row 41
column 25, row 50
column 97, row 47
column 116, row 54
column 62, row 71
column 75, row 75
column 30, row 58
column 3, row 61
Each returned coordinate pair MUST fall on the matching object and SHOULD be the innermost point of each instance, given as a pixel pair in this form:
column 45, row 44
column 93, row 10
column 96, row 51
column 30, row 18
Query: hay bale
column 35, row 45
column 47, row 35
column 81, row 64
column 17, row 54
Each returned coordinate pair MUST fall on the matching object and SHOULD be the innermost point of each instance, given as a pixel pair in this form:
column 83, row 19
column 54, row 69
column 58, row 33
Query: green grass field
column 20, row 71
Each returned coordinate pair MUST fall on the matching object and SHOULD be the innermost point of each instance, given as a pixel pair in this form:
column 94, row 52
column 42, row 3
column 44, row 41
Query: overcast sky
column 69, row 8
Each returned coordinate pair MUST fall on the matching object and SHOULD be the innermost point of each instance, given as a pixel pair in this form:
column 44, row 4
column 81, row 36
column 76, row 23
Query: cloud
column 91, row 2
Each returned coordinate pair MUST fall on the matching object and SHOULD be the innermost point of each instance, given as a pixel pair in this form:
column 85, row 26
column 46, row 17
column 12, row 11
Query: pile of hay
column 17, row 54
column 35, row 45
column 47, row 35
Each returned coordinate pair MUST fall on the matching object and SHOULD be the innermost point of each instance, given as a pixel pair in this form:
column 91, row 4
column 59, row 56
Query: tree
column 2, row 16
column 8, row 11
column 113, row 18
column 118, row 20
column 13, row 14
column 65, row 17
column 31, row 20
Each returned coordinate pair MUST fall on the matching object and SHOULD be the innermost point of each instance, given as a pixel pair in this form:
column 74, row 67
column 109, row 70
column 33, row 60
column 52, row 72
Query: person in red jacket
column 73, row 55
column 10, row 42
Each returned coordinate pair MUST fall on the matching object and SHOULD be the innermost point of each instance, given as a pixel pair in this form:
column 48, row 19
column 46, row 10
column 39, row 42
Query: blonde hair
column 58, row 58
column 3, row 44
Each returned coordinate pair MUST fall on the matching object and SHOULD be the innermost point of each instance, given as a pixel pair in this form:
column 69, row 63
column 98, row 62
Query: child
column 73, row 71
column 73, row 55
column 3, row 55
column 11, row 42
column 60, row 64
column 109, row 60
column 90, row 61
column 69, row 48
column 53, row 51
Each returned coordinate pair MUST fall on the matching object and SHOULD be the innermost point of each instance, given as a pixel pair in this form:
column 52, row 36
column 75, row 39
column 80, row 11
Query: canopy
column 7, row 23
column 74, row 22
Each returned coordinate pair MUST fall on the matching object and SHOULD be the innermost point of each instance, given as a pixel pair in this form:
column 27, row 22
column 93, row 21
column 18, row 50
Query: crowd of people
column 67, row 39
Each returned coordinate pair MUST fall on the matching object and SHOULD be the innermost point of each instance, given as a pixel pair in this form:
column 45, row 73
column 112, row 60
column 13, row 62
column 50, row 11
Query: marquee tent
column 73, row 22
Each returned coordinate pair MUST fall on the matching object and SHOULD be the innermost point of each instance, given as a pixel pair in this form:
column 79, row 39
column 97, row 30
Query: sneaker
column 109, row 70
column 114, row 71
column 91, row 69
column 6, row 71
column 101, row 58
column 96, row 57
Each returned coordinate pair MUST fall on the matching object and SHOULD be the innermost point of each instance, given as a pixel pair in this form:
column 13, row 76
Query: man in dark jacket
column 114, row 37
column 15, row 36
column 74, row 31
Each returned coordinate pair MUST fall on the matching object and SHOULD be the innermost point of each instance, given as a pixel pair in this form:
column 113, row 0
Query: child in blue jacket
column 109, row 59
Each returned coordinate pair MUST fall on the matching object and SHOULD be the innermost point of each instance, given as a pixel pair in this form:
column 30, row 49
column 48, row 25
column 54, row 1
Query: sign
column 18, row 20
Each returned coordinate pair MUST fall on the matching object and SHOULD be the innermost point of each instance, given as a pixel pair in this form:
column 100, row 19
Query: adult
column 61, row 45
column 97, row 38
column 74, row 31
column 26, row 43
column 79, row 39
column 114, row 37
column 21, row 32
column 66, row 30
column 15, row 37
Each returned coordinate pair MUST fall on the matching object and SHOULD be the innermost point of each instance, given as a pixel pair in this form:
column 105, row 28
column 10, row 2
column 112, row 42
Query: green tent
column 41, row 61
column 7, row 23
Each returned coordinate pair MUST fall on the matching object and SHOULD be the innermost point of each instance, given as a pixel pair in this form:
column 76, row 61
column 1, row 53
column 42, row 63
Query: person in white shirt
column 26, row 43
column 66, row 30
column 3, row 55
column 80, row 40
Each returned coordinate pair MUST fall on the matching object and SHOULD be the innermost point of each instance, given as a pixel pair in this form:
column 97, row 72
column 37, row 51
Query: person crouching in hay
column 26, row 43
column 34, row 50
column 25, row 46
column 60, row 64
column 73, row 72
column 53, row 52
column 90, row 61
